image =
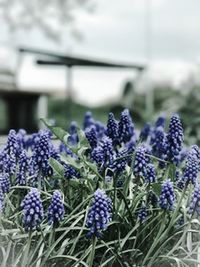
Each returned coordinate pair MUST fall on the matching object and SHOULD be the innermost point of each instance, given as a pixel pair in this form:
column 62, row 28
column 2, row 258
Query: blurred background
column 60, row 58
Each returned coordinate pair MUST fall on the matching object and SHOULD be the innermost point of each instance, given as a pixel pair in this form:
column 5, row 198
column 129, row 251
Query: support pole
column 69, row 91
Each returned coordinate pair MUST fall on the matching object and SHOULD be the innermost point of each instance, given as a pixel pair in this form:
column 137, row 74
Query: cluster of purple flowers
column 174, row 139
column 114, row 148
column 56, row 209
column 167, row 196
column 195, row 201
column 99, row 214
column 33, row 211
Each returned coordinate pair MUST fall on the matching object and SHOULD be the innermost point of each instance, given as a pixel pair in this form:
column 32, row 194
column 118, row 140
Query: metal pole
column 148, row 51
column 69, row 90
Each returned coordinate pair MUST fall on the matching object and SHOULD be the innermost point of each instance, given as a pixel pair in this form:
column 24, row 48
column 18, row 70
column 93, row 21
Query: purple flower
column 21, row 139
column 100, row 129
column 174, row 139
column 5, row 183
column 112, row 130
column 142, row 213
column 159, row 146
column 191, row 171
column 56, row 209
column 33, row 212
column 145, row 132
column 73, row 138
column 151, row 174
column 120, row 161
column 39, row 165
column 160, row 122
column 167, row 196
column 99, row 214
column 88, row 120
column 126, row 127
column 22, row 169
column 97, row 155
column 107, row 148
column 195, row 201
column 70, row 172
column 91, row 136
column 140, row 163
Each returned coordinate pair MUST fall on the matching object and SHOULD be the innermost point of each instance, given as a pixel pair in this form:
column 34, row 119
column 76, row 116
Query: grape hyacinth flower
column 126, row 126
column 97, row 155
column 191, row 171
column 174, row 139
column 99, row 214
column 112, row 130
column 21, row 139
column 88, row 120
column 145, row 132
column 151, row 174
column 70, row 172
column 100, row 129
column 195, row 154
column 159, row 147
column 142, row 213
column 73, row 138
column 33, row 212
column 5, row 183
column 39, row 165
column 107, row 149
column 160, row 122
column 56, row 209
column 120, row 161
column 91, row 136
column 195, row 201
column 22, row 169
column 140, row 163
column 10, row 153
column 167, row 196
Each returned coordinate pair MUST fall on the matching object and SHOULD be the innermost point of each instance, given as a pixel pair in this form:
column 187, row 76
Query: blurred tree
column 49, row 16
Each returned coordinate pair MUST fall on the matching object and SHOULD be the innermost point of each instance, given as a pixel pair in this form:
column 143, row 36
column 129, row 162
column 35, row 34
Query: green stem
column 26, row 253
column 164, row 234
column 92, row 254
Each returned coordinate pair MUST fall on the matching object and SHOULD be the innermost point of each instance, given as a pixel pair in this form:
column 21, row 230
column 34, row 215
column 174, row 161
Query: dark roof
column 59, row 59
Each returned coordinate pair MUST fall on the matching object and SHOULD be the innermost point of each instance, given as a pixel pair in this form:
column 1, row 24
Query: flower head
column 142, row 213
column 112, row 130
column 126, row 127
column 22, row 169
column 145, row 132
column 56, row 209
column 32, row 210
column 140, row 163
column 167, row 196
column 5, row 182
column 151, row 174
column 174, row 139
column 195, row 201
column 99, row 214
column 91, row 136
column 160, row 121
column 88, row 120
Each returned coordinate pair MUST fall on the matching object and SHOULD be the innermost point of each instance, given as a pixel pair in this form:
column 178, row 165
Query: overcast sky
column 121, row 30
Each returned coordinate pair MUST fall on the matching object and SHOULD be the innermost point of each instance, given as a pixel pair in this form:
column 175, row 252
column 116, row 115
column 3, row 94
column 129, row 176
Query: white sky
column 118, row 31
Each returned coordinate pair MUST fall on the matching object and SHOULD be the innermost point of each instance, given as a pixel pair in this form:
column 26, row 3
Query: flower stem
column 92, row 254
